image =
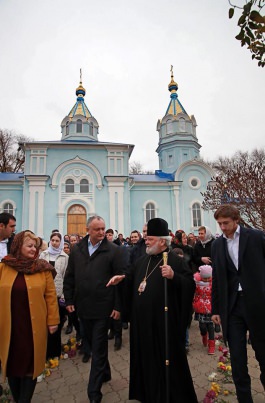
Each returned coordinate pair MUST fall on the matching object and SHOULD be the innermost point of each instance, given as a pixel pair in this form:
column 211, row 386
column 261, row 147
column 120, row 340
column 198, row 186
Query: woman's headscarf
column 51, row 249
column 24, row 264
column 208, row 236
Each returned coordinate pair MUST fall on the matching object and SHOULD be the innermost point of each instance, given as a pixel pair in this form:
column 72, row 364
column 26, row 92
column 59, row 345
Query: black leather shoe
column 117, row 345
column 106, row 378
column 86, row 358
column 95, row 401
column 69, row 329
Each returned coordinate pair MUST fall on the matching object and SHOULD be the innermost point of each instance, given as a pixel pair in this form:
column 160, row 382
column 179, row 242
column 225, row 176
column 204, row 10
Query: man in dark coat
column 92, row 263
column 139, row 249
column 7, row 229
column 146, row 296
column 238, row 294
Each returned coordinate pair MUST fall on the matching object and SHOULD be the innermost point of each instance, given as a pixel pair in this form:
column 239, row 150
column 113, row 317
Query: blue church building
column 67, row 180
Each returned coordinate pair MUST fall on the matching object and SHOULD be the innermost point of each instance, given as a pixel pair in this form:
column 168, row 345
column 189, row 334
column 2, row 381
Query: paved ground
column 68, row 383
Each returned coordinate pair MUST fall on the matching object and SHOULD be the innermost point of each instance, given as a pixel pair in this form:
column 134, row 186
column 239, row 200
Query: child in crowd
column 202, row 306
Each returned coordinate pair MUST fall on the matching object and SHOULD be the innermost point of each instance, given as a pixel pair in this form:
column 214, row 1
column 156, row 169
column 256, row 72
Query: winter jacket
column 60, row 266
column 86, row 278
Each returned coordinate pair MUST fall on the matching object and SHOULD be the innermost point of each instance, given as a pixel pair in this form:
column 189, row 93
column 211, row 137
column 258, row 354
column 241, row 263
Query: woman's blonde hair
column 29, row 234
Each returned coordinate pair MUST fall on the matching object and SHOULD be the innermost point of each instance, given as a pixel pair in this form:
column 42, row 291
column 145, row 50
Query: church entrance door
column 76, row 220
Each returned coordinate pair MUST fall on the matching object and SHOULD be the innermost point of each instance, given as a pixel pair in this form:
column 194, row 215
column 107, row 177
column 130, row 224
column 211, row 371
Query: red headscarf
column 24, row 264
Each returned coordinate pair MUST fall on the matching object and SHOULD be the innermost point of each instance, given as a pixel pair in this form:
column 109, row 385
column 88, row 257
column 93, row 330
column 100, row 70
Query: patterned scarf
column 24, row 264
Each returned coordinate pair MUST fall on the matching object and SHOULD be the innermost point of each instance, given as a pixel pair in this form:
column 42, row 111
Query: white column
column 37, row 186
column 116, row 208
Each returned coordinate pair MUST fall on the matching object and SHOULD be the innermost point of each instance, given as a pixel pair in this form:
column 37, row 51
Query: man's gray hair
column 92, row 218
column 167, row 239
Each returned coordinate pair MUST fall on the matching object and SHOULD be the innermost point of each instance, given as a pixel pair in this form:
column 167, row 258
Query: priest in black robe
column 145, row 294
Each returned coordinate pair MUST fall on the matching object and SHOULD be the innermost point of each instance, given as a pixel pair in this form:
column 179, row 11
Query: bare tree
column 136, row 168
column 240, row 181
column 12, row 156
column 252, row 27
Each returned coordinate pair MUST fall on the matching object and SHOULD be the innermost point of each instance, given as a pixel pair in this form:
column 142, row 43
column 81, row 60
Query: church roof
column 175, row 107
column 158, row 176
column 11, row 176
column 80, row 107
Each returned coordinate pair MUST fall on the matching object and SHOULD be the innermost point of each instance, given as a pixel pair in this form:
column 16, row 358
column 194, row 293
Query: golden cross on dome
column 171, row 69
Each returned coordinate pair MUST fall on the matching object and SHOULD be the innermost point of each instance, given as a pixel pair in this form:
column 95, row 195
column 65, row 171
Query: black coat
column 200, row 251
column 251, row 276
column 86, row 278
column 9, row 243
column 137, row 250
column 147, row 331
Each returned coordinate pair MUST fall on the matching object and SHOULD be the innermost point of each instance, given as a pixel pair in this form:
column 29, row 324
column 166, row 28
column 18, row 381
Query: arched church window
column 69, row 186
column 150, row 211
column 196, row 215
column 169, row 126
column 79, row 125
column 67, row 128
column 84, row 186
column 182, row 125
column 91, row 129
column 8, row 208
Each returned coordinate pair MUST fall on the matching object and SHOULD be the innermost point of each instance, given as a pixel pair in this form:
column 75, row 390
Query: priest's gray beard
column 153, row 250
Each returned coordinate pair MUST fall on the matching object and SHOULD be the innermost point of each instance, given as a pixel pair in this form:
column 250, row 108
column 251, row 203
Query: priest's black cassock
column 147, row 330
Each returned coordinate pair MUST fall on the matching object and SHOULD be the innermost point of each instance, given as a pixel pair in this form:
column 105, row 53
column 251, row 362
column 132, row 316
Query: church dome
column 80, row 124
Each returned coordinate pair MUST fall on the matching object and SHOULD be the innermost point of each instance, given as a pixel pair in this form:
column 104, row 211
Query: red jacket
column 202, row 297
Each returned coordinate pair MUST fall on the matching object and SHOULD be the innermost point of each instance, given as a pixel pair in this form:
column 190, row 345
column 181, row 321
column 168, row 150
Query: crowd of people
column 153, row 281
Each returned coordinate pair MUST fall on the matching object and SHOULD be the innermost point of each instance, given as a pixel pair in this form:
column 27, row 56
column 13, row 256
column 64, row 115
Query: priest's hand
column 166, row 271
column 115, row 280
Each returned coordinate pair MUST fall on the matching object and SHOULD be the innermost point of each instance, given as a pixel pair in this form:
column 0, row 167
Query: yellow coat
column 44, row 312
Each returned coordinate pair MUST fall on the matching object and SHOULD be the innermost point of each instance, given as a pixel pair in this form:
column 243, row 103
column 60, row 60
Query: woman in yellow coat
column 28, row 311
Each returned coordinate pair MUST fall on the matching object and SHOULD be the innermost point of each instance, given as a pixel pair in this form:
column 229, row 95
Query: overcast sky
column 125, row 49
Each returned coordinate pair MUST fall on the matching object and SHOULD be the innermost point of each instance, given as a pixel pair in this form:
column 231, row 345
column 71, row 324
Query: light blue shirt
column 91, row 248
column 233, row 248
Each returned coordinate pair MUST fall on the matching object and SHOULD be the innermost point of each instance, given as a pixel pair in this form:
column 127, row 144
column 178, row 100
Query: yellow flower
column 226, row 392
column 54, row 363
column 215, row 387
column 66, row 348
column 228, row 368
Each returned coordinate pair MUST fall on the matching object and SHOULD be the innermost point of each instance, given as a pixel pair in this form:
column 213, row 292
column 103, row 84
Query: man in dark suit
column 238, row 294
column 92, row 264
column 7, row 229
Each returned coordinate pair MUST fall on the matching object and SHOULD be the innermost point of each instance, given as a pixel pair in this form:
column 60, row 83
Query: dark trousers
column 237, row 340
column 74, row 321
column 96, row 331
column 54, row 342
column 116, row 326
column 207, row 327
column 22, row 389
column 85, row 345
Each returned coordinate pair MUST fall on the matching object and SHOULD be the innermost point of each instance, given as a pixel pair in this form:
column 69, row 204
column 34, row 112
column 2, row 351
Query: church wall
column 190, row 194
column 13, row 194
column 157, row 194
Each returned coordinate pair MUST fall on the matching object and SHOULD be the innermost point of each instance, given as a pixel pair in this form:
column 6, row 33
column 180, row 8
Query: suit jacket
column 250, row 274
column 86, row 278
